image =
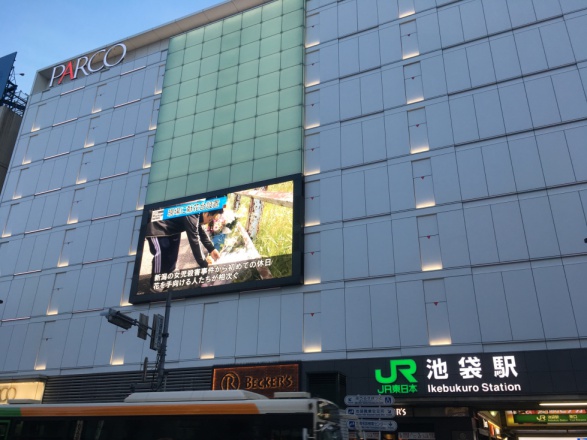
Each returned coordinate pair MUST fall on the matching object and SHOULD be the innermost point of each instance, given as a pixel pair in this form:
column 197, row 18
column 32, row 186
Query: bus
column 179, row 415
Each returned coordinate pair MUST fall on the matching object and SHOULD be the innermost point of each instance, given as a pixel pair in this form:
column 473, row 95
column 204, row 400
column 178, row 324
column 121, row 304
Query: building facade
column 442, row 150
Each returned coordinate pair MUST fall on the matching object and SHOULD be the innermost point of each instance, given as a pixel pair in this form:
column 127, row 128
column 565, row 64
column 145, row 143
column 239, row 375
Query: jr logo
column 407, row 367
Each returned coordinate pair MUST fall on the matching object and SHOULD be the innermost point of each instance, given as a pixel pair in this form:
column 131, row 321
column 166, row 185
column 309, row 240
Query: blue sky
column 45, row 32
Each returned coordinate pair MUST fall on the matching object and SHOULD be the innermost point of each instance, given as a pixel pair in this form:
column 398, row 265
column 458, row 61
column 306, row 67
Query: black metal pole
column 163, row 348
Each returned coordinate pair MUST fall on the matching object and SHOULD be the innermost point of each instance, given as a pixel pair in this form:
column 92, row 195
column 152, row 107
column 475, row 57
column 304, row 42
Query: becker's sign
column 88, row 65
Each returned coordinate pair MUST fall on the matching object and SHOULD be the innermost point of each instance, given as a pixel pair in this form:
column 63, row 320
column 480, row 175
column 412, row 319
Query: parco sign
column 88, row 65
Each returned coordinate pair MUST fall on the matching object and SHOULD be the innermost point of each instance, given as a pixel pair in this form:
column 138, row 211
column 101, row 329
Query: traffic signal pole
column 125, row 322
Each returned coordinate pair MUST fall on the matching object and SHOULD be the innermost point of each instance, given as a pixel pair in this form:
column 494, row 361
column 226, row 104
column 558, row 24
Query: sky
column 45, row 33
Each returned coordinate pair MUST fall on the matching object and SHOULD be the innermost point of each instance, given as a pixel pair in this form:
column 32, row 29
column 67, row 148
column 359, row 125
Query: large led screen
column 238, row 239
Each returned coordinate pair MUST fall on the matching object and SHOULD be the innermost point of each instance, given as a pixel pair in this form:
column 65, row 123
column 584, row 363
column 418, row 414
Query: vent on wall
column 115, row 387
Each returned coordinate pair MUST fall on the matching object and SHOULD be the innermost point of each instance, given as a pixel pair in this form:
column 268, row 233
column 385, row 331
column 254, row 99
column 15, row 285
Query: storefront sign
column 21, row 391
column 451, row 375
column 265, row 380
column 88, row 65
column 546, row 417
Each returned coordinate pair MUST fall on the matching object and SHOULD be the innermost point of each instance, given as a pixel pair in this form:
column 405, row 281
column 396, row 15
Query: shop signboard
column 261, row 379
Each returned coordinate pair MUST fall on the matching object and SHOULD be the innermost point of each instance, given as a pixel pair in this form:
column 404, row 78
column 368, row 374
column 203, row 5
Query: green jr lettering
column 407, row 367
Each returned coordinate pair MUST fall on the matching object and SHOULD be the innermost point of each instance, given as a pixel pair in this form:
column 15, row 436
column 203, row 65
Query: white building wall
column 445, row 198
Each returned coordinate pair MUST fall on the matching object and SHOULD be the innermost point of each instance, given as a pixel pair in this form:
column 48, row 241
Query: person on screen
column 164, row 238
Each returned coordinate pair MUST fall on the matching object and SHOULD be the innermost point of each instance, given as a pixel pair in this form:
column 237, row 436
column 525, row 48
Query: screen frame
column 296, row 277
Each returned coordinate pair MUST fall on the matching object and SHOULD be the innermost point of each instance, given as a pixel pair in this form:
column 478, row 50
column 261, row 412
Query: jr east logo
column 404, row 367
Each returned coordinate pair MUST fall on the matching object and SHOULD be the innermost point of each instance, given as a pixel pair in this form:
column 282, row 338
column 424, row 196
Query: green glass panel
column 268, row 83
column 190, row 71
column 156, row 192
column 267, row 103
column 266, row 146
column 176, row 188
column 174, row 59
column 251, row 34
column 208, row 83
column 213, row 31
column 186, row 107
column 268, row 64
column 266, row 124
column 292, row 38
column 177, row 43
column 188, row 88
column 246, row 89
column 293, row 20
column 194, row 37
column 193, row 54
column 226, row 95
column 249, row 52
column 199, row 161
column 292, row 76
column 290, row 97
column 167, row 112
column 184, row 126
column 218, row 178
column 197, row 183
column 202, row 140
column 229, row 58
column 170, row 94
column 265, row 168
column 230, row 41
column 204, row 120
column 289, row 163
column 270, row 45
column 289, row 140
column 292, row 57
column 209, row 65
column 251, row 17
column 162, row 151
column 241, row 173
column 271, row 27
column 220, row 157
column 231, row 24
column 245, row 109
column 243, row 151
column 172, row 77
column 159, row 171
column 292, row 5
column 222, row 135
column 164, row 131
column 178, row 166
column 206, row 101
column 181, row 146
column 290, row 118
column 211, row 47
column 227, row 76
column 224, row 115
column 248, row 70
column 244, row 130
column 271, row 10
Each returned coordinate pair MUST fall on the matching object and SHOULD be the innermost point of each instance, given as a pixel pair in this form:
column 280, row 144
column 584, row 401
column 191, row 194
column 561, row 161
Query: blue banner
column 192, row 208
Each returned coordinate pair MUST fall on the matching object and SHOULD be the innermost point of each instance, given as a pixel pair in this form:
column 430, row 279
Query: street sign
column 372, row 413
column 373, row 425
column 366, row 400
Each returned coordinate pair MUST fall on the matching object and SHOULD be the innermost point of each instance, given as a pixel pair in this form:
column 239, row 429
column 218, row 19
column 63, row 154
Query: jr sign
column 88, row 65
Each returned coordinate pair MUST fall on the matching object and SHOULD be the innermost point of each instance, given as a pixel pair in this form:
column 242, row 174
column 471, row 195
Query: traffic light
column 119, row 319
